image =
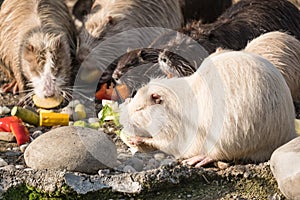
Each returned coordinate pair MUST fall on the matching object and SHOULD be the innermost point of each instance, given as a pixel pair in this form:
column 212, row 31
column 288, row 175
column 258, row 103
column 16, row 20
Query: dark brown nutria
column 82, row 8
column 244, row 21
column 205, row 10
column 37, row 45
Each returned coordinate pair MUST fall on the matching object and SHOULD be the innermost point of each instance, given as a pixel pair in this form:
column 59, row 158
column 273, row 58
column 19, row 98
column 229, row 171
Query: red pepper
column 110, row 93
column 6, row 121
column 20, row 132
column 14, row 124
column 102, row 93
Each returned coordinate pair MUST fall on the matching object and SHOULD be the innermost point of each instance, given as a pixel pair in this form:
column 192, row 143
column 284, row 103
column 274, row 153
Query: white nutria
column 237, row 106
column 283, row 51
column 37, row 45
column 109, row 17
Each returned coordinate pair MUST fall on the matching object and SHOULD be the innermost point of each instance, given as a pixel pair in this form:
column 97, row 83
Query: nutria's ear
column 111, row 20
column 156, row 98
column 219, row 49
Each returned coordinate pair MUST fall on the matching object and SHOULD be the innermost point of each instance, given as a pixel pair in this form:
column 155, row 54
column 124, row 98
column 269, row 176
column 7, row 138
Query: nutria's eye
column 156, row 98
column 164, row 60
column 29, row 48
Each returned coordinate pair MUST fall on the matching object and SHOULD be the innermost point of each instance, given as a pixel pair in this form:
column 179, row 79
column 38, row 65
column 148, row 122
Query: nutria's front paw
column 10, row 87
column 136, row 140
column 198, row 161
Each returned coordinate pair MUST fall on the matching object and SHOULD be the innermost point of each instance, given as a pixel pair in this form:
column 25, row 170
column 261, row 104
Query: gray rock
column 7, row 136
column 129, row 169
column 23, row 147
column 93, row 120
column 72, row 148
column 37, row 134
column 285, row 166
column 159, row 156
column 3, row 162
column 136, row 163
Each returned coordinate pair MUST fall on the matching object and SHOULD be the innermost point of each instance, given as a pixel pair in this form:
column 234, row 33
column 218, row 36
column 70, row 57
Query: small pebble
column 93, row 120
column 20, row 167
column 122, row 157
column 129, row 169
column 159, row 156
column 23, row 147
column 167, row 162
column 152, row 164
column 67, row 110
column 16, row 149
column 136, row 163
column 103, row 171
column 73, row 103
column 12, row 153
column 189, row 196
column 4, row 110
column 3, row 163
column 36, row 134
column 7, row 136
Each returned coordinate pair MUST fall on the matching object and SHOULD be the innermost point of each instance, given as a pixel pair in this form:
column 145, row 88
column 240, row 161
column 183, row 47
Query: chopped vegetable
column 26, row 115
column 80, row 123
column 112, row 93
column 54, row 119
column 80, row 111
column 108, row 114
column 15, row 125
column 49, row 102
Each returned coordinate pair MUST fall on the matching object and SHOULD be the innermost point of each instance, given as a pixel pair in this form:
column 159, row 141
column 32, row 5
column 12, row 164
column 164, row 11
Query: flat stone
column 7, row 136
column 285, row 166
column 72, row 148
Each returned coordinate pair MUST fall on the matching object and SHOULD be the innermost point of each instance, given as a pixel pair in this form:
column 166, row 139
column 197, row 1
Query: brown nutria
column 181, row 51
column 134, row 58
column 205, row 10
column 37, row 45
column 108, row 18
column 236, row 26
column 237, row 106
column 283, row 51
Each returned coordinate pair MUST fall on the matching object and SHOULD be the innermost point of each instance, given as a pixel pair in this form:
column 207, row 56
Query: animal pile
column 207, row 86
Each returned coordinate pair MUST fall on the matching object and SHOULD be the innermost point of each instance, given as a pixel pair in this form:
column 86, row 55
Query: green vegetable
column 107, row 114
column 80, row 123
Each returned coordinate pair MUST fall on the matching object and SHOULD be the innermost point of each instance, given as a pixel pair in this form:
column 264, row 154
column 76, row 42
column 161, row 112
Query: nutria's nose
column 116, row 75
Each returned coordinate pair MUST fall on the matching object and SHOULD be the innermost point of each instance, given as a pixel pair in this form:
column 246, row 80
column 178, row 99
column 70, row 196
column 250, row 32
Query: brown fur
column 237, row 106
column 283, row 51
column 108, row 18
column 244, row 21
column 32, row 31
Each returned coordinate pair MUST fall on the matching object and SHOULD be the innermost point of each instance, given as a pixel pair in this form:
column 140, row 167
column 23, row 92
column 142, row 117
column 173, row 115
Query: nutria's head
column 46, row 63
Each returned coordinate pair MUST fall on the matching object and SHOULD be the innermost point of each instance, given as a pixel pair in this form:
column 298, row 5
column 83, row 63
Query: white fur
column 236, row 106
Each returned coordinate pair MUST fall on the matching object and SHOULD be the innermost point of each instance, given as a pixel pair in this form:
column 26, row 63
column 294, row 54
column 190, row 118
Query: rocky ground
column 144, row 176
